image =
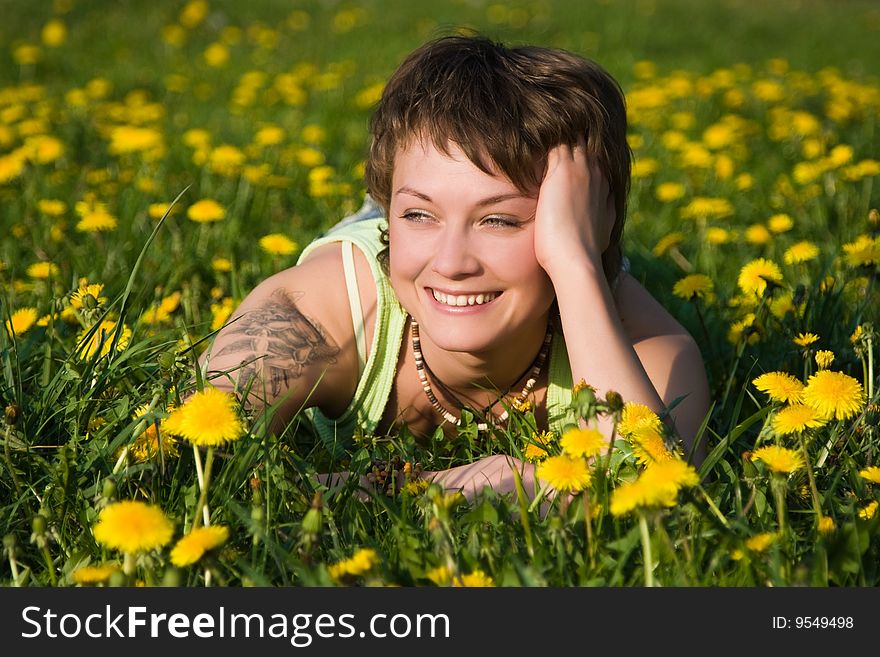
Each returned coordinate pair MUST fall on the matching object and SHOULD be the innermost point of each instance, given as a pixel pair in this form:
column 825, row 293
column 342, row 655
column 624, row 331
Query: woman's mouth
column 462, row 300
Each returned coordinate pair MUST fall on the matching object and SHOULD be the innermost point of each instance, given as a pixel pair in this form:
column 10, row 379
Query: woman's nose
column 455, row 255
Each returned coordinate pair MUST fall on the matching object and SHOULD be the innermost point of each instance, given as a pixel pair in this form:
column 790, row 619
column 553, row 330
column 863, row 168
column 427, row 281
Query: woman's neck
column 477, row 379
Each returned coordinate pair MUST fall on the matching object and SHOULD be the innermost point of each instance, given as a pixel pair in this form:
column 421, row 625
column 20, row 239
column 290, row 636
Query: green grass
column 70, row 420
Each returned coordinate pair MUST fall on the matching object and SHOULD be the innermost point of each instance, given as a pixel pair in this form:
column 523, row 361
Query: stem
column 778, row 486
column 588, row 524
column 8, row 455
column 646, row 550
column 49, row 565
column 204, row 482
column 713, row 507
column 870, row 385
column 814, row 492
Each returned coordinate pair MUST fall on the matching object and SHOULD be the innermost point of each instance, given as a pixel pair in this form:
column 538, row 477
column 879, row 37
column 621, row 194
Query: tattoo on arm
column 278, row 342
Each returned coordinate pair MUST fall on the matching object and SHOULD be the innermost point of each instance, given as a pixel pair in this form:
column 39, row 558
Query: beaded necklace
column 421, row 366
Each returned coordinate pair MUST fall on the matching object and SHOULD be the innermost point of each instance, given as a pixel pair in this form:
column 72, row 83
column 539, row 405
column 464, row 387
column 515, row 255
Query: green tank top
column 378, row 368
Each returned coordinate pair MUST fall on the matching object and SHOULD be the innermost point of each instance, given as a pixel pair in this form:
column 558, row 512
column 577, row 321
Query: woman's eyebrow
column 489, row 200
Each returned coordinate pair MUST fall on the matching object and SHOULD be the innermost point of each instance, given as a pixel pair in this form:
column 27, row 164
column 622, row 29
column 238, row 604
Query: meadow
column 158, row 160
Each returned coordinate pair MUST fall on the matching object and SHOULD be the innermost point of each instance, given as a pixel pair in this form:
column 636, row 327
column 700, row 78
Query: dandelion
column 694, row 286
column 269, row 135
column 564, row 473
column 800, row 252
column 779, row 459
column 94, row 574
column 97, row 221
column 667, row 242
column 716, row 235
column 363, row 561
column 132, row 526
column 805, row 339
column 779, row 386
column 148, row 445
column 221, row 265
column 21, row 320
column 207, row 418
column 795, row 419
column 440, row 576
column 637, row 417
column 42, row 270
column 834, row 394
column 753, row 277
column 757, row 234
column 872, row 474
column 856, row 334
column 824, row 358
column 216, row 55
column 194, row 545
column 99, row 340
column 780, row 223
column 475, row 579
column 51, row 207
column 869, row 511
column 277, row 244
column 649, row 447
column 826, row 526
column 535, row 449
column 205, row 211
column 583, row 442
column 85, row 289
column 658, row 486
column 702, row 207
column 864, row 251
column 669, row 191
column 760, row 542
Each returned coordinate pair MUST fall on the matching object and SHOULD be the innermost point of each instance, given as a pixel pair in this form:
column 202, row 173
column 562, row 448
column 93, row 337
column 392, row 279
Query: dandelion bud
column 171, row 578
column 9, row 542
column 166, row 360
column 38, row 525
column 874, row 216
column 13, row 412
column 614, row 401
column 117, row 579
column 109, row 489
column 89, row 302
column 312, row 521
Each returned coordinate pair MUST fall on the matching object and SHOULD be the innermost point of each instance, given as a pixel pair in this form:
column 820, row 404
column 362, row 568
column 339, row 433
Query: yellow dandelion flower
column 278, row 244
column 703, row 207
column 667, row 242
column 99, row 340
column 54, row 33
column 717, row 235
column 856, row 334
column 206, row 210
column 149, row 445
column 826, row 525
column 669, row 191
column 805, row 339
column 779, row 459
column 127, row 139
column 649, row 447
column 758, row 234
column 864, row 251
column 84, row 290
column 226, row 160
column 363, row 561
column 51, row 207
column 221, row 311
column 94, row 574
column 475, row 579
column 441, row 575
column 21, row 320
column 221, row 265
column 207, row 418
column 636, row 417
column 694, row 286
column 872, row 474
column 535, row 449
column 834, row 394
column 194, row 545
column 583, row 442
column 564, row 473
column 869, row 511
column 780, row 223
column 753, row 277
column 800, row 252
column 97, row 221
column 42, row 270
column 132, row 526
column 760, row 542
column 824, row 358
column 795, row 419
column 658, row 486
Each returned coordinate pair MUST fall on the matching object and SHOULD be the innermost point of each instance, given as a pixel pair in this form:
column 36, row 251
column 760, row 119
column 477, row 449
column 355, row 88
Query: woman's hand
column 575, row 213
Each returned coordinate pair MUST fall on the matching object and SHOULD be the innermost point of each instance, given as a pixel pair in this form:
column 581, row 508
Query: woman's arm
column 573, row 224
column 285, row 344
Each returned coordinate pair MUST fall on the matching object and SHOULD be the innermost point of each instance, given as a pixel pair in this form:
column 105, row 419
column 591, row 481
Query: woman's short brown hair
column 505, row 107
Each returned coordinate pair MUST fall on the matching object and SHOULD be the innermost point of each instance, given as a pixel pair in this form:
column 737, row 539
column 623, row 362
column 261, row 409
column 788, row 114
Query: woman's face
column 462, row 254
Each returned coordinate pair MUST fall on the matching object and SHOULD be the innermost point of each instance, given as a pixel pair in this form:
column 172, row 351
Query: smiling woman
column 500, row 177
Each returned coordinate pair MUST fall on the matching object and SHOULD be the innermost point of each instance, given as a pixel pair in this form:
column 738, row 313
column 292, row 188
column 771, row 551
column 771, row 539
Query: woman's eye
column 416, row 216
column 501, row 221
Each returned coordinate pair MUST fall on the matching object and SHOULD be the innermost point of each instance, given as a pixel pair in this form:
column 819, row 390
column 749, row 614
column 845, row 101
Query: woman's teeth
column 464, row 299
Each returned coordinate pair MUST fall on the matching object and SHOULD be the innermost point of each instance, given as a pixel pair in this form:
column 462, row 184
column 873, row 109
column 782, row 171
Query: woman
column 503, row 174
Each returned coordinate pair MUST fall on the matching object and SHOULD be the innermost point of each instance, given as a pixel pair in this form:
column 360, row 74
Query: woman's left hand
column 575, row 213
